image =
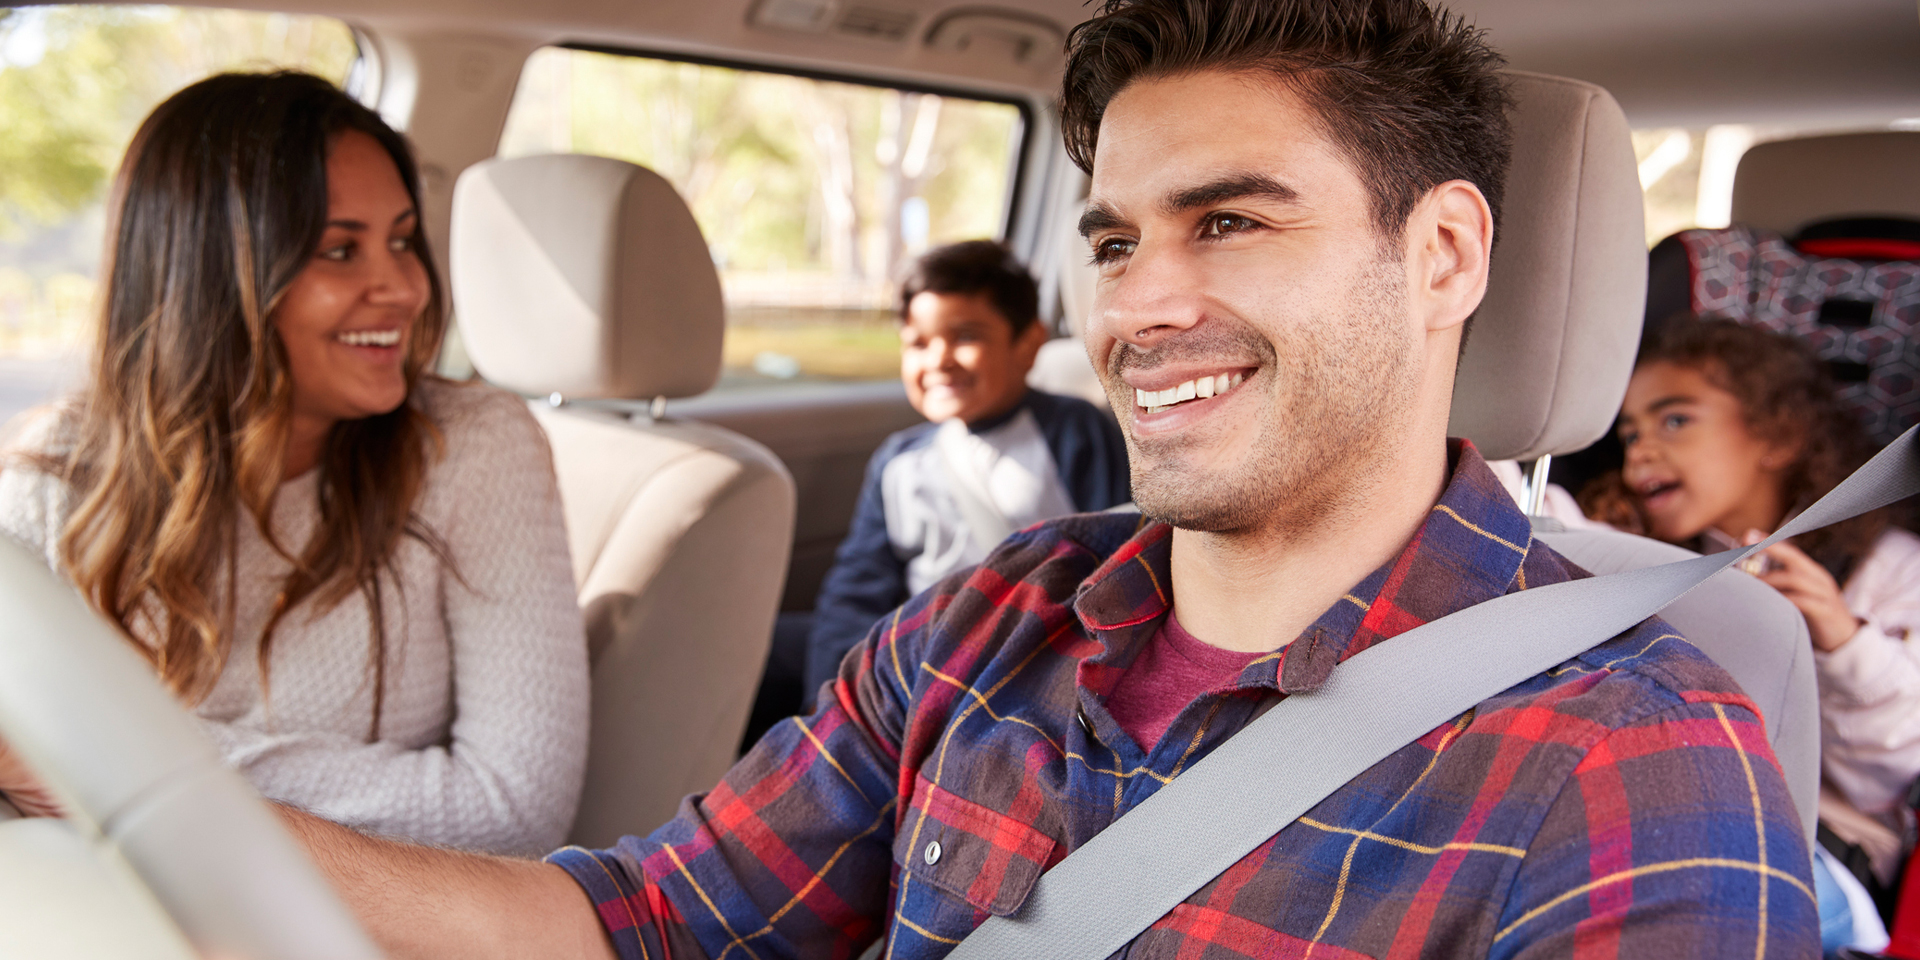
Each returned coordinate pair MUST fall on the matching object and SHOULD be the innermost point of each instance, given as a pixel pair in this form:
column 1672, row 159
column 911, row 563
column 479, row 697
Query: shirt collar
column 1470, row 549
column 1002, row 418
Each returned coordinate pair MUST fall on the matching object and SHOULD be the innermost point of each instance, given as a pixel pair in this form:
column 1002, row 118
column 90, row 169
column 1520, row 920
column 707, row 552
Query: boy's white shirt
column 926, row 524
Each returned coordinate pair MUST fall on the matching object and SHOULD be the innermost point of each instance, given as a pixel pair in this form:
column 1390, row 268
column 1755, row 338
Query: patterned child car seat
column 1849, row 289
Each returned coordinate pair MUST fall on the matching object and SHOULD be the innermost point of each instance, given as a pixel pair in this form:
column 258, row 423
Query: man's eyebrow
column 1099, row 216
column 1665, row 402
column 1238, row 186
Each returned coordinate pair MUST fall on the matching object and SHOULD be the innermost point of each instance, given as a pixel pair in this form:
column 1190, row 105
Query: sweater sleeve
column 508, row 778
column 867, row 581
column 32, row 504
column 1870, row 687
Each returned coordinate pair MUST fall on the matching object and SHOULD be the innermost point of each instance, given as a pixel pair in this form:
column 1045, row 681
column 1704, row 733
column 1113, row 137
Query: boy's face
column 959, row 356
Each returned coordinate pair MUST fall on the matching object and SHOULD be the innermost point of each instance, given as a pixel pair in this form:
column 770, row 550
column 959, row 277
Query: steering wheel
column 135, row 773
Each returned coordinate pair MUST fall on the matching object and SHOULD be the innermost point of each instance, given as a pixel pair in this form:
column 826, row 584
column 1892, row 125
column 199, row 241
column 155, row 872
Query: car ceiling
column 1669, row 62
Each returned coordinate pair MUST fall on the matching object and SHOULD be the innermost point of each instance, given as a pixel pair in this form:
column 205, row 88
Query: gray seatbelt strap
column 1091, row 904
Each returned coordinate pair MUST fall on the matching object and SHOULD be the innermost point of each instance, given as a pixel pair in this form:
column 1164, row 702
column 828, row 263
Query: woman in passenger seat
column 1728, row 431
column 353, row 571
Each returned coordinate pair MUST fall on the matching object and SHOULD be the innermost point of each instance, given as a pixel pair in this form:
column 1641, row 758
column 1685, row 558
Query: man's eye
column 1111, row 249
column 1674, row 421
column 1628, row 438
column 1221, row 224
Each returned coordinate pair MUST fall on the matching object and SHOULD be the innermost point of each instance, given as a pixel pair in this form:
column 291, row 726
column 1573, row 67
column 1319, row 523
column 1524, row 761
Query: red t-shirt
column 1175, row 669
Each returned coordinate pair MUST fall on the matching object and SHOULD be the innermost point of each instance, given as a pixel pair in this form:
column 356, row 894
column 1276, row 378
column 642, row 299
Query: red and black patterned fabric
column 1855, row 311
column 1622, row 804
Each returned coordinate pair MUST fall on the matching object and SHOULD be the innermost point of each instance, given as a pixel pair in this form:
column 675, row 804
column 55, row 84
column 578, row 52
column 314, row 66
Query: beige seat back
column 1547, row 363
column 582, row 278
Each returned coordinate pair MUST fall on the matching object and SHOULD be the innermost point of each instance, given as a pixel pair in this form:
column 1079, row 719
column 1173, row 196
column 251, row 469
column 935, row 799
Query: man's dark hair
column 1412, row 94
column 976, row 266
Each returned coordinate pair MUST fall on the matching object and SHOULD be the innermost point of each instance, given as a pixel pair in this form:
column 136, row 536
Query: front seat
column 1547, row 363
column 581, row 278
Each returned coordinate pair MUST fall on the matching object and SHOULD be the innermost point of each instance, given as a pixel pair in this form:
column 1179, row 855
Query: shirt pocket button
column 932, row 855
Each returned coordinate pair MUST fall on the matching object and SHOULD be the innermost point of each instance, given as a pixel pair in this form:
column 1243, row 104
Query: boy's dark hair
column 1412, row 94
column 976, row 266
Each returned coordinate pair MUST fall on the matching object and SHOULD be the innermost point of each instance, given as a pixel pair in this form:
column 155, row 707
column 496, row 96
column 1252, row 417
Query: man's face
column 1236, row 248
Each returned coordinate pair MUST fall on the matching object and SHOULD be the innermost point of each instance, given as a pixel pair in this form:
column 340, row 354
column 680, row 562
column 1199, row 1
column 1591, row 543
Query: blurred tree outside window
column 813, row 195
column 75, row 81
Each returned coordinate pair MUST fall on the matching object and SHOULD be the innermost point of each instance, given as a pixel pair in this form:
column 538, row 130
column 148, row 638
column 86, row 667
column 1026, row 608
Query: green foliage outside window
column 74, row 83
column 813, row 195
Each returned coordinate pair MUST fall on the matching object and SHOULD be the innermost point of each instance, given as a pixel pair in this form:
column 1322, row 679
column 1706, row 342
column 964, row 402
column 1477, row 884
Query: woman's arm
column 509, row 777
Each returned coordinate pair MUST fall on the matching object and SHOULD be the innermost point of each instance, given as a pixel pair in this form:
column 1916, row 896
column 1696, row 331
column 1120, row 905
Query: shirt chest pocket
column 988, row 859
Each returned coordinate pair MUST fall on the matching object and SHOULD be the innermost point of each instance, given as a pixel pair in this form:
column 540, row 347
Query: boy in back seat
column 995, row 457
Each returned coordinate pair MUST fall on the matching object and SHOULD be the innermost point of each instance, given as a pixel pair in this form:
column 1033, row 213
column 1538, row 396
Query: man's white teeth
column 1198, row 389
column 369, row 338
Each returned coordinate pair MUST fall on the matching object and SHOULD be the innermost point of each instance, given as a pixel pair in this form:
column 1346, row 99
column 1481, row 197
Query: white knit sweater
column 483, row 733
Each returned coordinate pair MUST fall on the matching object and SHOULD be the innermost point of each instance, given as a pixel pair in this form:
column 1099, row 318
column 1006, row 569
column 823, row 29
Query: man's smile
column 1197, row 388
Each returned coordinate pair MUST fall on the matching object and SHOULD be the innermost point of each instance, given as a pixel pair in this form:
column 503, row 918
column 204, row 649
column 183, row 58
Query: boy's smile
column 959, row 357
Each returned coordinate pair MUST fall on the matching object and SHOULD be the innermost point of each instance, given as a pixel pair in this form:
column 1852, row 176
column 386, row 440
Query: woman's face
column 348, row 316
column 1692, row 460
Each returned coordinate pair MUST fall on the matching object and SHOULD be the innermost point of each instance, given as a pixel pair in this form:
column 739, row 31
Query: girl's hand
column 1812, row 589
column 23, row 789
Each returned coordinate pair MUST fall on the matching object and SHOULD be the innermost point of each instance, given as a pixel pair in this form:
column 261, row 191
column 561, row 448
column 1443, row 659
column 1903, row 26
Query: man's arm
column 422, row 902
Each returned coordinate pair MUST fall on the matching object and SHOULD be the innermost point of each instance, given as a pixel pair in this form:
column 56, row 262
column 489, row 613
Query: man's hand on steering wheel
column 24, row 790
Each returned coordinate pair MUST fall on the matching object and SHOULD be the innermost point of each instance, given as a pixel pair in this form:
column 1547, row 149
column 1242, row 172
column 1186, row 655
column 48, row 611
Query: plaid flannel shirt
column 1625, row 803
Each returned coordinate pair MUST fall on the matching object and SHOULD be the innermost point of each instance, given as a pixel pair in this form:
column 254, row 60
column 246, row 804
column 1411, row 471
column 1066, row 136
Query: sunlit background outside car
column 74, row 83
column 812, row 193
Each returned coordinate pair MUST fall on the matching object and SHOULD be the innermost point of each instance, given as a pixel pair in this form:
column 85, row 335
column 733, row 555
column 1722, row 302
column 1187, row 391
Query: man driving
column 1292, row 210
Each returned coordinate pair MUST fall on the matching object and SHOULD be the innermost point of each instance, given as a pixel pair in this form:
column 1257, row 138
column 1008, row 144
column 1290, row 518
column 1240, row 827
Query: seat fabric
column 587, row 277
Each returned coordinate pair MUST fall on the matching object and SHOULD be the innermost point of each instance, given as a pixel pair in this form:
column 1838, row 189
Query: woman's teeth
column 369, row 338
column 1200, row 389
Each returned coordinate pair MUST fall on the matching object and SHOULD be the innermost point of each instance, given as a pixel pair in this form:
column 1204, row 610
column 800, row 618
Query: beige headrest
column 1552, row 346
column 583, row 276
column 1787, row 184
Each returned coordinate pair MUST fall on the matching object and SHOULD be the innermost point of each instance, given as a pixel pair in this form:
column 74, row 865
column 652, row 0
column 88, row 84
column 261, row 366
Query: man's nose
column 1156, row 295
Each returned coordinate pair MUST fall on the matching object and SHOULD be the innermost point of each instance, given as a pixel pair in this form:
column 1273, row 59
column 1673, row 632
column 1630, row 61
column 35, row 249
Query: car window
column 74, row 83
column 1687, row 172
column 813, row 194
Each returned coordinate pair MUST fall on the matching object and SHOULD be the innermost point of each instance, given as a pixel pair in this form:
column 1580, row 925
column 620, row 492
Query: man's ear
column 1450, row 244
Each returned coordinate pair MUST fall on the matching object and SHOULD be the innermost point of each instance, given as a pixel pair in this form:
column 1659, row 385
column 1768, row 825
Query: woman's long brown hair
column 182, row 431
column 1785, row 397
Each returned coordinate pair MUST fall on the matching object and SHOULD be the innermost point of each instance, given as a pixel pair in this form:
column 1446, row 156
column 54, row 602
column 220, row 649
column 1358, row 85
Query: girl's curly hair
column 1785, row 397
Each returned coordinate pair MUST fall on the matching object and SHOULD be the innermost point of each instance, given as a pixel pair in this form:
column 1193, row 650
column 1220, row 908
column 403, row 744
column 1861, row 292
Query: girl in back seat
column 354, row 572
column 1728, row 431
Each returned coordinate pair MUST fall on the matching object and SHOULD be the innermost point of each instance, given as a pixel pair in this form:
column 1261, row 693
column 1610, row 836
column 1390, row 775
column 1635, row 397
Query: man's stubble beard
column 1329, row 413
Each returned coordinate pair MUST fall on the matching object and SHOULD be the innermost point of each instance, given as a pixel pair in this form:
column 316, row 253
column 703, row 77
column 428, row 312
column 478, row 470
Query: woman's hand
column 1812, row 589
column 23, row 789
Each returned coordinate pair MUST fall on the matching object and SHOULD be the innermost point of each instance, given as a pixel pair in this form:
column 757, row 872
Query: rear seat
column 582, row 278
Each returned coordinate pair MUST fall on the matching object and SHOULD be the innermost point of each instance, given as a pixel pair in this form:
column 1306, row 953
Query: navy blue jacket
column 869, row 579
